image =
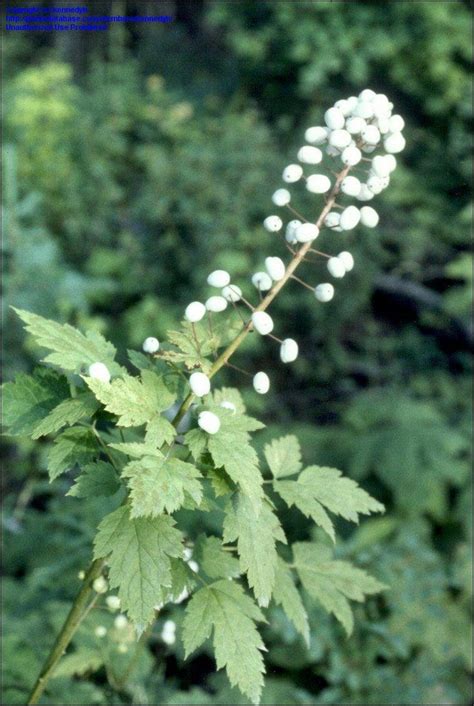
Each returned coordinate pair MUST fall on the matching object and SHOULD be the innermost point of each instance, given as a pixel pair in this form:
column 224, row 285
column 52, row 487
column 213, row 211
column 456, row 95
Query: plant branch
column 79, row 610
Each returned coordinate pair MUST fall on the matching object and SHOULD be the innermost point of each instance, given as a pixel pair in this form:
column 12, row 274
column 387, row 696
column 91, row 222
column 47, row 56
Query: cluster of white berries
column 354, row 127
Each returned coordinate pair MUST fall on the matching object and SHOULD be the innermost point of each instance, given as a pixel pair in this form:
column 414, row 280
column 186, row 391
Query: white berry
column 316, row 135
column 113, row 602
column 309, row 155
column 332, row 219
column 121, row 622
column 369, row 216
column 218, row 278
column 394, row 143
column 306, row 232
column 288, row 350
column 340, row 139
column 396, row 123
column 151, row 344
column 272, row 223
column 262, row 322
column 262, row 281
column 281, row 197
column 275, row 268
column 209, row 422
column 99, row 371
column 365, row 194
column 350, row 217
column 200, row 384
column 232, row 293
column 290, row 234
column 100, row 585
column 216, row 304
column 351, row 156
column 292, row 173
column 350, row 185
column 336, row 267
column 100, row 631
column 261, row 383
column 371, row 135
column 355, row 125
column 194, row 312
column 324, row 292
column 318, row 183
column 334, row 118
column 347, row 260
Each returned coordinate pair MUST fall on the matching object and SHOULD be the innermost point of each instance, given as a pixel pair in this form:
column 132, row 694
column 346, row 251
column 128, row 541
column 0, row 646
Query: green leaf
column 229, row 394
column 30, row 398
column 138, row 552
column 331, row 582
column 96, row 479
column 224, row 608
column 159, row 431
column 78, row 663
column 74, row 446
column 194, row 348
column 287, row 595
column 72, row 350
column 214, row 560
column 161, row 484
column 196, row 441
column 232, row 451
column 256, row 534
column 68, row 412
column 133, row 400
column 136, row 449
column 284, row 456
column 318, row 488
column 183, row 581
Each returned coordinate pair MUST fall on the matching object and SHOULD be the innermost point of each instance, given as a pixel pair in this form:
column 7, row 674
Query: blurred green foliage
column 126, row 185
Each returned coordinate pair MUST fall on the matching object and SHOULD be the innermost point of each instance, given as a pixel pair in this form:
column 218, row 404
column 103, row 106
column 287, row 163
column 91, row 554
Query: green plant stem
column 79, row 606
column 79, row 609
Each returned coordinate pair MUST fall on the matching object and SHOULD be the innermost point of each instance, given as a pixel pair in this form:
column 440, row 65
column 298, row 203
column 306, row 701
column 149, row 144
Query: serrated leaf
column 224, row 609
column 232, row 451
column 331, row 582
column 194, row 343
column 136, row 449
column 78, row 663
column 135, row 401
column 30, row 398
column 72, row 350
column 96, row 479
column 139, row 553
column 287, row 595
column 159, row 485
column 68, row 412
column 283, row 456
column 74, row 446
column 256, row 534
column 196, row 442
column 214, row 560
column 234, row 422
column 318, row 488
column 159, row 431
column 183, row 580
column 229, row 394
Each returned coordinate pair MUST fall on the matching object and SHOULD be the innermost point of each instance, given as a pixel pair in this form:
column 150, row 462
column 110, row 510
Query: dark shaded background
column 138, row 160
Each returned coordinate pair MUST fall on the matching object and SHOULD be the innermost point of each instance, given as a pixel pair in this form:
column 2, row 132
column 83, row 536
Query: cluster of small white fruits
column 354, row 127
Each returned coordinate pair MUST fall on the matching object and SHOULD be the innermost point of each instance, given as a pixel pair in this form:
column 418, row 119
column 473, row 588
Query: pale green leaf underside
column 224, row 609
column 138, row 552
column 256, row 534
column 283, row 456
column 333, row 583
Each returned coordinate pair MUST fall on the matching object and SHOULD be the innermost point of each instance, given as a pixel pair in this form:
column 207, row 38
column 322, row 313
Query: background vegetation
column 136, row 163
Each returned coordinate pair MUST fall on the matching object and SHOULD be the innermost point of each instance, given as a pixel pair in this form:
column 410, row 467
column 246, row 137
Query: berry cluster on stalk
column 355, row 128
